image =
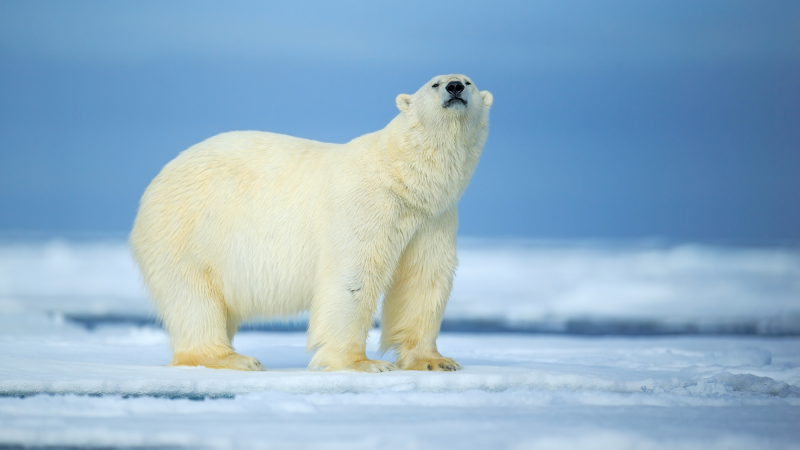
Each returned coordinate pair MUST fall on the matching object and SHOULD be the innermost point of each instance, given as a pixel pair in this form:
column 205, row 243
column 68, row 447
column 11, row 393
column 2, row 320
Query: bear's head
column 448, row 98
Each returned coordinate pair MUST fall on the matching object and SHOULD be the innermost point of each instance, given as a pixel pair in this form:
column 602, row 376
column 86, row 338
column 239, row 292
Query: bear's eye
column 435, row 85
column 467, row 83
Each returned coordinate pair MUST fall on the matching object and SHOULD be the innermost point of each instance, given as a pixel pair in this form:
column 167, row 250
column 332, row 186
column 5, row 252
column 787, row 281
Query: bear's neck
column 431, row 168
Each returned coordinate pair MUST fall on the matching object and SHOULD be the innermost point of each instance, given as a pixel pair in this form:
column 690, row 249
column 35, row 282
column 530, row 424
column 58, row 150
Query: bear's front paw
column 372, row 365
column 236, row 361
column 232, row 361
column 440, row 364
column 361, row 365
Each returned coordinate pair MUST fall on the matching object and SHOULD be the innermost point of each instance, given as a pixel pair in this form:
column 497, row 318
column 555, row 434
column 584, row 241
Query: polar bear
column 254, row 224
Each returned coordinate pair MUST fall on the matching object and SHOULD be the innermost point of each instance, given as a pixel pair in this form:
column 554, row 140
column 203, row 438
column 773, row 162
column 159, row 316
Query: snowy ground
column 66, row 384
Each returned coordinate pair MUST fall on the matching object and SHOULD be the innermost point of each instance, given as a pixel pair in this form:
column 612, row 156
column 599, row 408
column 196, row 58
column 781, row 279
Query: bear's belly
column 269, row 269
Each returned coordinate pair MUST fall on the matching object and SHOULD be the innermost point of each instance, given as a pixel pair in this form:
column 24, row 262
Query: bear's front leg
column 414, row 304
column 341, row 315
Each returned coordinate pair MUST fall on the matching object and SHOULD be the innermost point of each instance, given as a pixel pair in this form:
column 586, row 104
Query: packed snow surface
column 63, row 384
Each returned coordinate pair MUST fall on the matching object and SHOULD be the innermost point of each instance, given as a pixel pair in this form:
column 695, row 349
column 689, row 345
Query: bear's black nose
column 455, row 88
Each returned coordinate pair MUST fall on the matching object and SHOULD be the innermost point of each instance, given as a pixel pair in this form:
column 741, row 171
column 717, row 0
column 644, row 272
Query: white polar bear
column 250, row 224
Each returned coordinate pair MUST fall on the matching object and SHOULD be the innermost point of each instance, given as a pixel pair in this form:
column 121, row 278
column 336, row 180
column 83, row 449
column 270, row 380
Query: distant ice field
column 572, row 288
column 564, row 346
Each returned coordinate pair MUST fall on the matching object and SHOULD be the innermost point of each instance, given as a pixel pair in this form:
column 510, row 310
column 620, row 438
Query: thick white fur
column 251, row 224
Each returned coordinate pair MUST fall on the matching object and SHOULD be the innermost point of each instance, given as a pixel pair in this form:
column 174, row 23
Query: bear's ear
column 403, row 102
column 487, row 98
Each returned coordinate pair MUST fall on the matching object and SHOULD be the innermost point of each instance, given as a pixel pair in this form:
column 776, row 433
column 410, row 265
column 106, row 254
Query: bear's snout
column 455, row 88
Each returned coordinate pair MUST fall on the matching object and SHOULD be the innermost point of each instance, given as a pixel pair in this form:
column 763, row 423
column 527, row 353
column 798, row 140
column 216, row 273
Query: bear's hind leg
column 232, row 326
column 201, row 331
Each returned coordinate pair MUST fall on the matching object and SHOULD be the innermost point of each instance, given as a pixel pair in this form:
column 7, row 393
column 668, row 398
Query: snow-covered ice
column 64, row 385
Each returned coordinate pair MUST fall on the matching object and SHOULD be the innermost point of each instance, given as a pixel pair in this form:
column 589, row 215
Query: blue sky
column 612, row 120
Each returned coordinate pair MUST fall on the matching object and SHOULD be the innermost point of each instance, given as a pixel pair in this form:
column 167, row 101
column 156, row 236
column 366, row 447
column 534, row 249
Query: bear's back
column 233, row 200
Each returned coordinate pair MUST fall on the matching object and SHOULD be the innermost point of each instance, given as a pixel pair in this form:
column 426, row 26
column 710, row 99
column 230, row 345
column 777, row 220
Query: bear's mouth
column 455, row 101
